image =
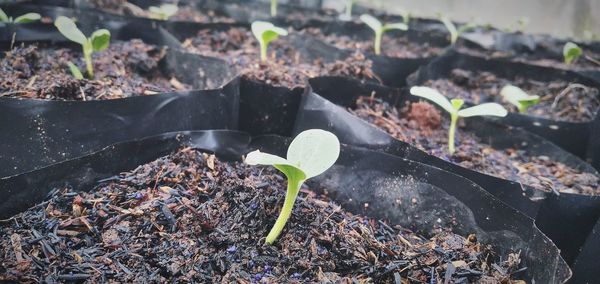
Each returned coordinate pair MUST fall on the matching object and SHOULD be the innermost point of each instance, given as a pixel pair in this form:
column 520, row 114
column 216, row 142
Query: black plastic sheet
column 566, row 219
column 559, row 132
column 359, row 176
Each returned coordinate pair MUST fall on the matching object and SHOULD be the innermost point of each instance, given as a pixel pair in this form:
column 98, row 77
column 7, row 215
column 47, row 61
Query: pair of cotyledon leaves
column 379, row 27
column 98, row 41
column 310, row 154
column 453, row 106
column 23, row 19
column 266, row 32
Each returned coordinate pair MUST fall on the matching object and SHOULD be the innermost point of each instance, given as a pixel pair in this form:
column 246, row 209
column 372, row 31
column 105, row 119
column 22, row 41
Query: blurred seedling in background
column 265, row 33
column 454, row 31
column 310, row 154
column 23, row 19
column 519, row 98
column 453, row 107
column 347, row 16
column 571, row 52
column 273, row 8
column 163, row 12
column 98, row 41
column 380, row 29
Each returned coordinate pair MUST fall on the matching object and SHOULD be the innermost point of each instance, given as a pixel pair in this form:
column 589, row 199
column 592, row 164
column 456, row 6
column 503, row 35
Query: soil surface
column 423, row 126
column 286, row 66
column 184, row 13
column 559, row 100
column 188, row 217
column 124, row 69
column 392, row 46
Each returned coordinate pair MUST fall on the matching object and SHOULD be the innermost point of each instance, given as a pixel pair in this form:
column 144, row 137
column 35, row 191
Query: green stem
column 349, row 9
column 273, row 8
column 263, row 52
column 522, row 108
column 87, row 55
column 286, row 211
column 378, row 36
column 453, row 120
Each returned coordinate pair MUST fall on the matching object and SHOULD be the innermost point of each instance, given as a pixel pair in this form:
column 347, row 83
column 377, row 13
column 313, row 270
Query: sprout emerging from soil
column 454, row 31
column 163, row 12
column 380, row 28
column 273, row 8
column 571, row 52
column 453, row 107
column 310, row 154
column 23, row 19
column 519, row 98
column 265, row 33
column 98, row 41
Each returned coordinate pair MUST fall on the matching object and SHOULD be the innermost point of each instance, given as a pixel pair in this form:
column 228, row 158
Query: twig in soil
column 565, row 92
column 590, row 59
column 13, row 93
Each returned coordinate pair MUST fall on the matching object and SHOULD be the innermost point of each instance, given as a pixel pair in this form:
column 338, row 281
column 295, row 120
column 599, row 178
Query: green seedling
column 519, row 98
column 265, row 33
column 163, row 12
column 454, row 31
column 405, row 17
column 571, row 52
column 23, row 19
column 347, row 16
column 453, row 107
column 380, row 28
column 273, row 8
column 98, row 41
column 310, row 154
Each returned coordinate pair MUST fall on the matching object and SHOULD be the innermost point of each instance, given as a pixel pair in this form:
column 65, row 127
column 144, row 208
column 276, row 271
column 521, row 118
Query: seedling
column 380, row 28
column 453, row 107
column 273, row 8
column 265, row 33
column 405, row 17
column 23, row 19
column 349, row 5
column 98, row 41
column 164, row 11
column 519, row 98
column 454, row 31
column 571, row 52
column 310, row 154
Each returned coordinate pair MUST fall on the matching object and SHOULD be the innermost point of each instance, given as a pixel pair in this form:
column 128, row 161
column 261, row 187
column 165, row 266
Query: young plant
column 518, row 97
column 98, row 41
column 454, row 108
column 265, row 33
column 310, row 154
column 380, row 28
column 347, row 16
column 23, row 19
column 273, row 8
column 454, row 31
column 163, row 12
column 571, row 52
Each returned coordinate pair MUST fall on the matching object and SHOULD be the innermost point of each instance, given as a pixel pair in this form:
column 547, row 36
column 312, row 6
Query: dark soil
column 422, row 125
column 392, row 46
column 286, row 66
column 184, row 13
column 559, row 100
column 189, row 218
column 124, row 69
